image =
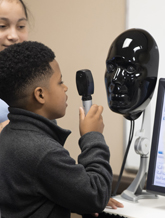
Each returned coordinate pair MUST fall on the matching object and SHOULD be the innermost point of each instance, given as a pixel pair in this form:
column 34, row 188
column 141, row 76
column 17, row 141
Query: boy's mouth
column 66, row 100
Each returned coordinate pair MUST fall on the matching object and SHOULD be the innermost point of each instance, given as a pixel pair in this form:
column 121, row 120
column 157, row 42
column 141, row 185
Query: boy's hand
column 113, row 204
column 93, row 121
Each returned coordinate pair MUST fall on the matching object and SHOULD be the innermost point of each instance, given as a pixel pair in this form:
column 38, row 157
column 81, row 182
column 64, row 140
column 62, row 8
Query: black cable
column 125, row 156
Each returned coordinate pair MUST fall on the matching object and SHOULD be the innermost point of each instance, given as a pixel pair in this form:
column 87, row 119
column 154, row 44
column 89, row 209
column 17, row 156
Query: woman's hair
column 23, row 65
column 25, row 8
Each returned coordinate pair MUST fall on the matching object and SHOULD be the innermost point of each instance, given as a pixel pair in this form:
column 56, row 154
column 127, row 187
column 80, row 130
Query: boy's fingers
column 95, row 109
column 114, row 204
column 81, row 113
column 117, row 203
column 100, row 109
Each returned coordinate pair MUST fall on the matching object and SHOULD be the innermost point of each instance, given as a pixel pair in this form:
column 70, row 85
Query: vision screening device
column 130, row 79
column 85, row 87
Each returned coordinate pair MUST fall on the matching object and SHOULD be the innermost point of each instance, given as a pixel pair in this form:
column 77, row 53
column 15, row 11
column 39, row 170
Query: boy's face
column 55, row 94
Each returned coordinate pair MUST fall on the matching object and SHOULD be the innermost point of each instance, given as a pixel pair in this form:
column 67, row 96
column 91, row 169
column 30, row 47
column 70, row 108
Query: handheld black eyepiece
column 85, row 87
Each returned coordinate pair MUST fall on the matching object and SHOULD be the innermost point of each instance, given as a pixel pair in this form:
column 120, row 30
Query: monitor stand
column 135, row 191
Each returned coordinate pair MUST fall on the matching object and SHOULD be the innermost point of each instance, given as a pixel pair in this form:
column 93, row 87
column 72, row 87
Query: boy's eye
column 61, row 82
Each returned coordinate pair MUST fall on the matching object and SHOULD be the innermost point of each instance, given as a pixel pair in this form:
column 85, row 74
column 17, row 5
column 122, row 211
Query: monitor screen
column 156, row 171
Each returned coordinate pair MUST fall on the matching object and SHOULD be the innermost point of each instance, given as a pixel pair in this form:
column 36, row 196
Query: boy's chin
column 59, row 116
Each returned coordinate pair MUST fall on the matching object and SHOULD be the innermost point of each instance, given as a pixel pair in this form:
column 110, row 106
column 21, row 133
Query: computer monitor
column 156, row 171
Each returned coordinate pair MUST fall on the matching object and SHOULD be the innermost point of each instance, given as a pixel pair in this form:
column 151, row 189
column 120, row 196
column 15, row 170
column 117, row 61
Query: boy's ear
column 39, row 95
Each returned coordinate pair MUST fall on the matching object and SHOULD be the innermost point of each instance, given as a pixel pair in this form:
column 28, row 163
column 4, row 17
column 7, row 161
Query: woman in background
column 13, row 29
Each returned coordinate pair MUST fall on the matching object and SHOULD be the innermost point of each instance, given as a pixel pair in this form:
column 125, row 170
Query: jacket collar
column 27, row 120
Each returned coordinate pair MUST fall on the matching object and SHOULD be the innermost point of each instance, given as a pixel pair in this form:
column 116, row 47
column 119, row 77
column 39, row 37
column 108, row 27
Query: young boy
column 38, row 178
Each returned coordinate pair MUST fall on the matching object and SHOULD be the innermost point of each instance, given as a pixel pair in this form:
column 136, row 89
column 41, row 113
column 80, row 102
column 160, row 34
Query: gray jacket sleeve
column 84, row 187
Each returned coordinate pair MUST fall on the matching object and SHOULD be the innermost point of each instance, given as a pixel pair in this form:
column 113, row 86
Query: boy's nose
column 66, row 88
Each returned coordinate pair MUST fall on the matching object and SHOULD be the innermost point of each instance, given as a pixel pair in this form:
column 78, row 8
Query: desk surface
column 145, row 208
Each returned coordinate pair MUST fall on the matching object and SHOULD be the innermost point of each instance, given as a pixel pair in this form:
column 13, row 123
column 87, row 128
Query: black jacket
column 39, row 179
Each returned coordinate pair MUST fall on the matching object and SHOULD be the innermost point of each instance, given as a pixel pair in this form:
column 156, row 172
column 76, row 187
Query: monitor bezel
column 155, row 141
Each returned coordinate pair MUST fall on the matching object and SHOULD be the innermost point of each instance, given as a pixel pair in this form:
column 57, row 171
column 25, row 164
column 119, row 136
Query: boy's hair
column 23, row 65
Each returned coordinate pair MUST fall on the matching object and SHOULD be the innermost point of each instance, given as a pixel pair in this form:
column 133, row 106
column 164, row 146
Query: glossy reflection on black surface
column 131, row 72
